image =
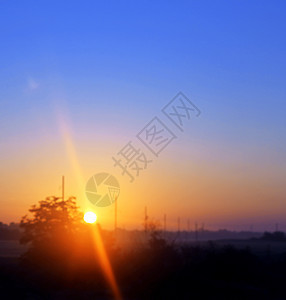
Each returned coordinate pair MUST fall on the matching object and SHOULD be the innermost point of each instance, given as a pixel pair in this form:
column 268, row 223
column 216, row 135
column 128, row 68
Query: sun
column 90, row 217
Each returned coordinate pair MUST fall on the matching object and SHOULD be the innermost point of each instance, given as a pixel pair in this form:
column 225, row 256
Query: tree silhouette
column 156, row 241
column 53, row 231
column 59, row 240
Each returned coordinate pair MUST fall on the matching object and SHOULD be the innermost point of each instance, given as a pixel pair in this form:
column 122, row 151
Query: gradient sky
column 79, row 79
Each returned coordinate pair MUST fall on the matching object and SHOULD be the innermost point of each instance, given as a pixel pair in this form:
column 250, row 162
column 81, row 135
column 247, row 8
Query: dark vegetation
column 9, row 232
column 63, row 263
column 277, row 236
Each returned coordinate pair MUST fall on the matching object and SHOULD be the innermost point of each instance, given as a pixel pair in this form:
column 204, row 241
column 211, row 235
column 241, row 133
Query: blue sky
column 223, row 51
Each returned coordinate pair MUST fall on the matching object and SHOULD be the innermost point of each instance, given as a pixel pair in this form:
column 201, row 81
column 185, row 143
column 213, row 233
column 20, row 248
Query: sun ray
column 97, row 239
column 105, row 263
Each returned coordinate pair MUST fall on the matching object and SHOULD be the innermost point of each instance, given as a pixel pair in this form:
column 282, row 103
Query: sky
column 80, row 79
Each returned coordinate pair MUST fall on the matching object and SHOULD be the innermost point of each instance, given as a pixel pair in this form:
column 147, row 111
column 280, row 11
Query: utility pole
column 187, row 234
column 63, row 188
column 115, row 214
column 203, row 230
column 196, row 231
column 165, row 224
column 145, row 219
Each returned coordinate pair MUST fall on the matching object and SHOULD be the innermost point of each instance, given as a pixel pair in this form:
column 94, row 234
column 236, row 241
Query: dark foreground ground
column 209, row 270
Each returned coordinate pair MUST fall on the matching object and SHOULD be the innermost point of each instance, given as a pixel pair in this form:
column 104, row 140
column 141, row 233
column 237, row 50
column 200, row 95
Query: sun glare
column 90, row 217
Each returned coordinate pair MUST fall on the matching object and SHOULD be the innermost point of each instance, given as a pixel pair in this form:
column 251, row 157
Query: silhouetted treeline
column 9, row 232
column 13, row 232
column 275, row 236
column 184, row 236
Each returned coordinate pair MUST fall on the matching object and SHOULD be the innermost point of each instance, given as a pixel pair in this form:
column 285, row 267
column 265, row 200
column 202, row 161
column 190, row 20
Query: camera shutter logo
column 102, row 189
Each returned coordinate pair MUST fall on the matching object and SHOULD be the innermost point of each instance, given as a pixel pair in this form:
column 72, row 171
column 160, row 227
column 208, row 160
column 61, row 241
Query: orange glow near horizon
column 227, row 192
